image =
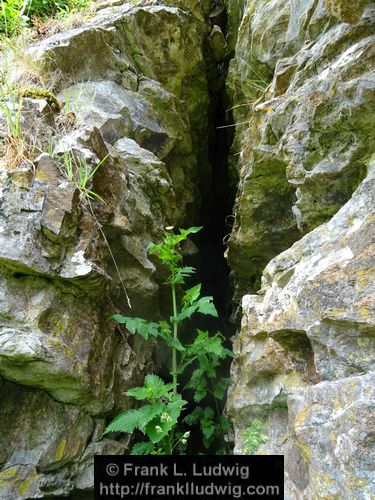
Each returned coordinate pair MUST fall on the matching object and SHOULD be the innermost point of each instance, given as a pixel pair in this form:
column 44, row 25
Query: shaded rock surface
column 303, row 91
column 302, row 84
column 133, row 82
column 133, row 85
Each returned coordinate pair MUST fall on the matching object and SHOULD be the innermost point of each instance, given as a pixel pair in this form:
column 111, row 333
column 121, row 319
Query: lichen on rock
column 302, row 246
column 132, row 84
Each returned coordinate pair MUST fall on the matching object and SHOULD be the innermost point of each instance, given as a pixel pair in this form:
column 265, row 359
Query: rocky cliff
column 302, row 83
column 141, row 84
column 132, row 81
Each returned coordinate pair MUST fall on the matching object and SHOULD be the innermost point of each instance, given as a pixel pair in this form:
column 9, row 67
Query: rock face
column 303, row 90
column 133, row 81
column 133, row 85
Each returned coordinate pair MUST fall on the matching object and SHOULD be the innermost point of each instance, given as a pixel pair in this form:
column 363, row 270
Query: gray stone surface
column 304, row 94
column 134, row 91
column 305, row 355
column 302, row 85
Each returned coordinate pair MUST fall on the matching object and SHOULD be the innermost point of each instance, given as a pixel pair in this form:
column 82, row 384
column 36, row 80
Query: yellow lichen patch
column 368, row 390
column 336, row 405
column 301, row 417
column 41, row 176
column 355, row 483
column 42, row 93
column 8, row 473
column 60, row 450
column 364, row 342
column 292, row 380
column 305, row 452
column 354, row 384
column 24, row 487
column 322, row 483
column 365, row 276
column 364, row 312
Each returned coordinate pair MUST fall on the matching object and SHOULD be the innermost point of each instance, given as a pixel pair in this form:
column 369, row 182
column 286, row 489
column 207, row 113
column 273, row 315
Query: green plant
column 253, row 437
column 16, row 15
column 81, row 173
column 12, row 16
column 12, row 144
column 199, row 359
column 156, row 419
column 10, row 106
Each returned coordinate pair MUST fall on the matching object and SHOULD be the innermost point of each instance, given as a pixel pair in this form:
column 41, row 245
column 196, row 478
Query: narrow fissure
column 216, row 208
column 215, row 216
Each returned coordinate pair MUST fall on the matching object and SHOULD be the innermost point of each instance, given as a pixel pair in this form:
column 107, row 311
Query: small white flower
column 165, row 417
column 158, row 429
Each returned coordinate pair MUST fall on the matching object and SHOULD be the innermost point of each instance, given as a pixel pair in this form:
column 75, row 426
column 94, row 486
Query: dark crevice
column 217, row 200
column 217, row 208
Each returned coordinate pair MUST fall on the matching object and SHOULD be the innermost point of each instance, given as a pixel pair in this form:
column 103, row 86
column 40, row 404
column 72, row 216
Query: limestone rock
column 305, row 349
column 158, row 42
column 332, row 427
column 347, row 11
column 303, row 98
column 73, row 250
column 302, row 87
column 117, row 113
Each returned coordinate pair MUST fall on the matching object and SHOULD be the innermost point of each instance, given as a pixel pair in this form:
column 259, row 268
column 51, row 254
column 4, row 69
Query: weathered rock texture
column 133, row 81
column 133, row 84
column 302, row 83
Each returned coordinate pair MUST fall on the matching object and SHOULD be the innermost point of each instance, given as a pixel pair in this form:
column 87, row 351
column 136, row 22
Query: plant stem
column 215, row 398
column 174, row 352
column 175, row 337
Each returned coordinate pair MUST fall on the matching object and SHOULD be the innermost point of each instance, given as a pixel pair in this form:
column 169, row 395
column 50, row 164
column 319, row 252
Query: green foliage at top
column 159, row 417
column 253, row 437
column 16, row 15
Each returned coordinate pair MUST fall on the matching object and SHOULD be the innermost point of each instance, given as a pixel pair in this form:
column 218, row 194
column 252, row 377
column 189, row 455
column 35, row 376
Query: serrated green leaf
column 125, row 422
column 152, row 247
column 148, row 412
column 253, row 437
column 204, row 306
column 157, row 386
column 194, row 416
column 257, row 424
column 119, row 318
column 208, row 413
column 139, row 393
column 190, row 230
column 199, row 394
column 165, row 328
column 174, row 343
column 191, row 295
column 179, row 275
column 207, row 423
column 196, row 379
column 135, row 419
column 158, row 428
column 138, row 325
column 208, row 431
column 207, row 307
column 154, row 381
column 142, row 449
column 220, row 387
